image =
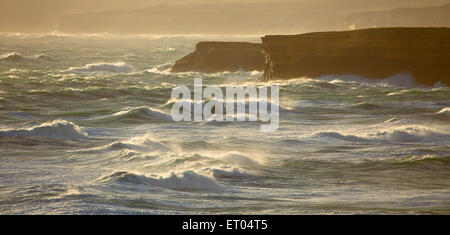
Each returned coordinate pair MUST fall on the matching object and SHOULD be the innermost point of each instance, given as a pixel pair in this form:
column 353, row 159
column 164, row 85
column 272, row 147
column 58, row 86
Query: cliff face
column 212, row 57
column 370, row 53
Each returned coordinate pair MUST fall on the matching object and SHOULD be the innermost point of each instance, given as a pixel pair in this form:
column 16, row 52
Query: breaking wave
column 444, row 111
column 400, row 134
column 59, row 129
column 144, row 113
column 410, row 134
column 102, row 67
column 186, row 181
column 166, row 69
column 142, row 143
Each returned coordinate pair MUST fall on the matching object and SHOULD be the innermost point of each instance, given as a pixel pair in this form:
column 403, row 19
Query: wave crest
column 407, row 133
column 13, row 56
column 145, row 113
column 59, row 129
column 444, row 111
column 187, row 181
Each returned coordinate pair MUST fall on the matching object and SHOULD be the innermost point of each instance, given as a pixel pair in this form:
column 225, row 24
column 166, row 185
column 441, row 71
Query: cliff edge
column 212, row 57
column 370, row 53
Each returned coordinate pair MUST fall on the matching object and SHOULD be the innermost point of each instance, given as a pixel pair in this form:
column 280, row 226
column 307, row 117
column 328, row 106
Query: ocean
column 85, row 128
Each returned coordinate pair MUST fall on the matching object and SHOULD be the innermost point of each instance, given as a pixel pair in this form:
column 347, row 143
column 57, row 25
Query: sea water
column 85, row 128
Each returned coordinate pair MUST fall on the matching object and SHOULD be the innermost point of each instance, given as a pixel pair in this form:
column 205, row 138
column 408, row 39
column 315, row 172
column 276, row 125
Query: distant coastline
column 238, row 18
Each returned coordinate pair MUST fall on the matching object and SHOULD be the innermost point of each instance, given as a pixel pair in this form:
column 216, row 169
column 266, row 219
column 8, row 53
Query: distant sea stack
column 213, row 57
column 370, row 53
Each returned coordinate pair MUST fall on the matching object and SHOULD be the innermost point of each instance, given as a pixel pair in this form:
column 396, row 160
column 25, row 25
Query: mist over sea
column 85, row 128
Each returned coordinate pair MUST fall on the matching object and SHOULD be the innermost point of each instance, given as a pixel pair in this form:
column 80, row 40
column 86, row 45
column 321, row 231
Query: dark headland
column 370, row 53
column 212, row 57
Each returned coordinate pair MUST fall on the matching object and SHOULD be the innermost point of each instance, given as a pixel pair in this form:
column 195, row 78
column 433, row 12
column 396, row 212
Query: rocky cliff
column 370, row 53
column 212, row 57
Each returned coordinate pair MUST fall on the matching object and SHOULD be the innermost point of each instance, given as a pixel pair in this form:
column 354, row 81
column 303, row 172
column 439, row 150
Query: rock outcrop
column 369, row 53
column 212, row 57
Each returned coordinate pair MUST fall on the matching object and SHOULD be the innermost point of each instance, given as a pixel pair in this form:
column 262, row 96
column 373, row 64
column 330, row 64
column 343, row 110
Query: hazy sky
column 45, row 15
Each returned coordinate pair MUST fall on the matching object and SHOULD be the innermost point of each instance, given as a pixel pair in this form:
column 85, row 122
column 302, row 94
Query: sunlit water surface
column 85, row 128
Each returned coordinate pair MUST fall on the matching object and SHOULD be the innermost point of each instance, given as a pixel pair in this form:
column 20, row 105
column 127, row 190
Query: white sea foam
column 445, row 110
column 55, row 129
column 400, row 79
column 103, row 67
column 256, row 73
column 156, row 70
column 164, row 49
